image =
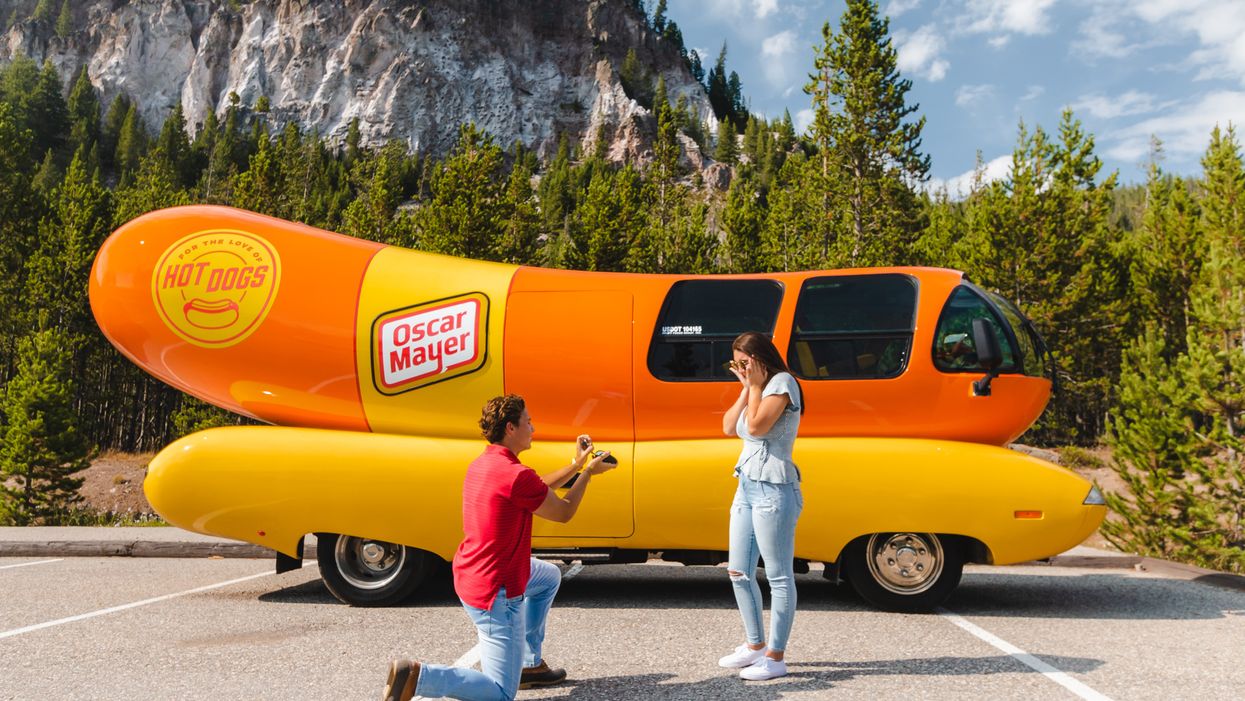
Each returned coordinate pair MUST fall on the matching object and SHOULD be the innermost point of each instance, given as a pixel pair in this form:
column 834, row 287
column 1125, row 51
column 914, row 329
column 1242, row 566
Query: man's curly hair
column 498, row 412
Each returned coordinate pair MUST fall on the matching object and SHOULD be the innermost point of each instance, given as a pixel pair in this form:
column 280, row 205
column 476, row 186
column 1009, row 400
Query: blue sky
column 1129, row 69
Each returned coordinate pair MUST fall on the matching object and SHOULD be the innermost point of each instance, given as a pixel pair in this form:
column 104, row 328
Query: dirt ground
column 114, row 482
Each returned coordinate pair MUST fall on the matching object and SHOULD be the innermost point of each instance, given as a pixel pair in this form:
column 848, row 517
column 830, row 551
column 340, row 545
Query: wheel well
column 974, row 550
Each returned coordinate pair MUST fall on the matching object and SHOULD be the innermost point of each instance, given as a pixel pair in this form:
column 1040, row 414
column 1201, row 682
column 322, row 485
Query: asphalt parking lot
column 167, row 628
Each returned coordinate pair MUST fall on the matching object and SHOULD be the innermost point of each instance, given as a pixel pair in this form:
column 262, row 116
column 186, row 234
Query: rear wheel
column 906, row 572
column 368, row 572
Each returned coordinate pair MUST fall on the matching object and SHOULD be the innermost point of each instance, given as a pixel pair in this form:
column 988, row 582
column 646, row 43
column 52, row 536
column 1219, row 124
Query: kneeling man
column 506, row 592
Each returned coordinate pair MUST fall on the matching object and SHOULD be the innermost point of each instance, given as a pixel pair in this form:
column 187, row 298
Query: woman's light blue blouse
column 767, row 458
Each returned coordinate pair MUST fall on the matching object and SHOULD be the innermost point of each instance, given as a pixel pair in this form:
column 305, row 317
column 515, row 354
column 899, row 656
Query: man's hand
column 598, row 465
column 583, row 449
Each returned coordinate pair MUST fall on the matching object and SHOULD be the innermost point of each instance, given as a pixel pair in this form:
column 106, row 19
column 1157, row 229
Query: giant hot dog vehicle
column 372, row 363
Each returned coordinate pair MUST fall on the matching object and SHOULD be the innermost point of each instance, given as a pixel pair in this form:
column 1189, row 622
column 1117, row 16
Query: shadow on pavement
column 1096, row 596
column 805, row 676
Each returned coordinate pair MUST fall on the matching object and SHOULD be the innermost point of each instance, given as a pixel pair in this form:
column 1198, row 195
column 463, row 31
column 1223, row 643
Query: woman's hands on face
column 749, row 372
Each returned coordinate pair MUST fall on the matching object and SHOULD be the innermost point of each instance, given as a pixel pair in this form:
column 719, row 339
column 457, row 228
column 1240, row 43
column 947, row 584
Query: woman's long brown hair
column 759, row 346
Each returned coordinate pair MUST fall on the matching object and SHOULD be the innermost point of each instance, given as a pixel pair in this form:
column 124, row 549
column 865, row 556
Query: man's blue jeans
column 763, row 520
column 511, row 633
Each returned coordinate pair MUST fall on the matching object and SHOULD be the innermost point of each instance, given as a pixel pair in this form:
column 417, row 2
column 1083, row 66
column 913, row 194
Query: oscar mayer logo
column 214, row 288
column 417, row 346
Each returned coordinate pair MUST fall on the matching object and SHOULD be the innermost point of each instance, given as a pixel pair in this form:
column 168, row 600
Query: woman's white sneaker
column 741, row 657
column 764, row 668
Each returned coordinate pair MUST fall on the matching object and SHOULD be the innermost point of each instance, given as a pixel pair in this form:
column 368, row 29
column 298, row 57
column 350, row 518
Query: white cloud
column 803, row 119
column 1006, row 17
column 970, row 95
column 898, row 7
column 919, row 53
column 778, row 45
column 775, row 53
column 1218, row 26
column 764, row 8
column 1033, row 93
column 1184, row 131
column 961, row 186
column 1101, row 37
column 1110, row 107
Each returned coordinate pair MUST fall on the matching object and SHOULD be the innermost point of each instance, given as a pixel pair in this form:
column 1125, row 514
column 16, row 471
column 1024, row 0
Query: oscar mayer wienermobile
column 373, row 362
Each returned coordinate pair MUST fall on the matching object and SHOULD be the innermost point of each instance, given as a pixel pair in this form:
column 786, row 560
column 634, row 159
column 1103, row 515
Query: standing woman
column 768, row 502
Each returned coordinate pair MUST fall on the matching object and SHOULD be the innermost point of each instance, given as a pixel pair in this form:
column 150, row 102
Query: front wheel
column 367, row 572
column 905, row 572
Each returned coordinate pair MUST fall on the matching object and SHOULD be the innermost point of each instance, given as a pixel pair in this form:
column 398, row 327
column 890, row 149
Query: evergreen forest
column 1138, row 289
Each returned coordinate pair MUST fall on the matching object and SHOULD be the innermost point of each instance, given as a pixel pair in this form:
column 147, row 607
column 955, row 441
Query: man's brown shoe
column 541, row 675
column 403, row 675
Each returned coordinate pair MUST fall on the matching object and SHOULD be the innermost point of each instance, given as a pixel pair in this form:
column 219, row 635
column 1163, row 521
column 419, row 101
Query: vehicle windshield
column 1032, row 347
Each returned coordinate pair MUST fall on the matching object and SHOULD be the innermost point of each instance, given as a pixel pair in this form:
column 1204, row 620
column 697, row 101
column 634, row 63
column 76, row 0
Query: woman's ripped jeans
column 763, row 520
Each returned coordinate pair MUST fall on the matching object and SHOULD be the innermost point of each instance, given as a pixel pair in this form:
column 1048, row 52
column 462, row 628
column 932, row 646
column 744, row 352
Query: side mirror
column 988, row 355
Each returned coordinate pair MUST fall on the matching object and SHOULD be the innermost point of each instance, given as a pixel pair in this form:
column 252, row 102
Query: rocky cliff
column 527, row 70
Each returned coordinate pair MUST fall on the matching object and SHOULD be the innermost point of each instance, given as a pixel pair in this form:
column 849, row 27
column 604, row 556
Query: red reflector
column 261, row 533
column 1028, row 514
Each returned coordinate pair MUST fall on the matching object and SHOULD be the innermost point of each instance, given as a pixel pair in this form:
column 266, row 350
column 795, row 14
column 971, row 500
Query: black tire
column 904, row 572
column 367, row 572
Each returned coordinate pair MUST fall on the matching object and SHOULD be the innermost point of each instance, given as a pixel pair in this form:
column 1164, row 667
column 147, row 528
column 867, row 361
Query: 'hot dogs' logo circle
column 214, row 288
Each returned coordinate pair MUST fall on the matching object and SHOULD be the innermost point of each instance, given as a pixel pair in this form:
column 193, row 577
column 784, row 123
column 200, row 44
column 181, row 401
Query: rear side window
column 853, row 327
column 954, row 348
column 700, row 318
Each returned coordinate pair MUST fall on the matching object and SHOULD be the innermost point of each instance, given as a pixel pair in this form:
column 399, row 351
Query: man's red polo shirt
column 499, row 496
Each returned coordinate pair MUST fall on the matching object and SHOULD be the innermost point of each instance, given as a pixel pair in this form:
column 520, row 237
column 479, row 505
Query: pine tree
column 659, row 17
column 354, row 136
column 42, row 448
column 612, row 216
column 79, row 220
column 83, row 107
column 742, row 221
column 131, row 142
column 649, row 250
column 64, row 21
column 372, row 214
column 173, row 145
column 520, row 240
column 870, row 151
column 110, row 134
column 465, row 214
column 1217, row 329
column 727, row 150
column 48, row 114
column 45, row 11
column 635, row 80
column 720, row 98
column 21, row 208
column 48, row 176
column 259, row 187
column 1166, row 255
column 1152, row 452
column 695, row 67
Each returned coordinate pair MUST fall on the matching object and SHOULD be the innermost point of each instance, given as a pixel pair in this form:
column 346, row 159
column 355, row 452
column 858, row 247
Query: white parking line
column 1051, row 673
column 472, row 657
column 135, row 604
column 26, row 564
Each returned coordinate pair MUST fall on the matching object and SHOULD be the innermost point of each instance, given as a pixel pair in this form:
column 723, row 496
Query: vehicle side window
column 700, row 318
column 954, row 347
column 853, row 327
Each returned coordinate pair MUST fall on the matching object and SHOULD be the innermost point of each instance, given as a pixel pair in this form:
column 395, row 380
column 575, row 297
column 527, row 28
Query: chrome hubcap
column 368, row 564
column 904, row 563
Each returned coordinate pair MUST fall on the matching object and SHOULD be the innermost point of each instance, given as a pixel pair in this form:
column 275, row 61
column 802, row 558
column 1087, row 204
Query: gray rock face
column 530, row 71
